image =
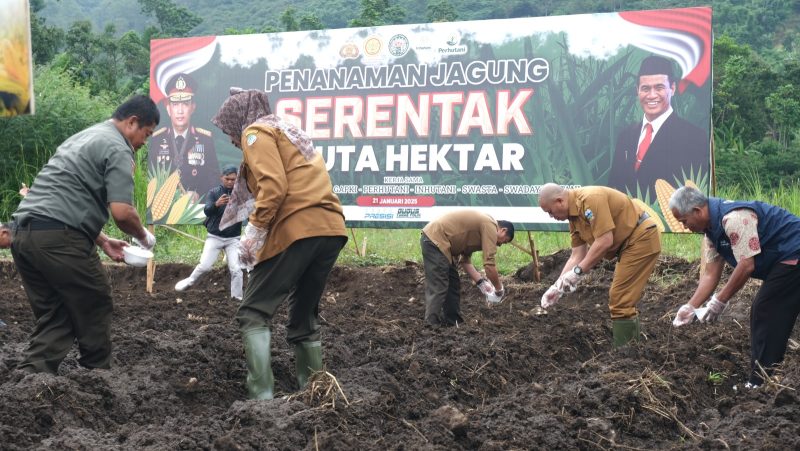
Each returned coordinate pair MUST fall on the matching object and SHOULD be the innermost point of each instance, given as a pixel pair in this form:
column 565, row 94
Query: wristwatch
column 577, row 270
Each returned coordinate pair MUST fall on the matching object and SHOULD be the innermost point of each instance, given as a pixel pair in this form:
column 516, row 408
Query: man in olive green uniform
column 450, row 240
column 183, row 146
column 604, row 223
column 5, row 243
column 293, row 237
column 57, row 226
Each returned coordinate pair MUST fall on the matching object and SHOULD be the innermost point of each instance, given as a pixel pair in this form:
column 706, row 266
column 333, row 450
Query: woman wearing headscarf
column 294, row 234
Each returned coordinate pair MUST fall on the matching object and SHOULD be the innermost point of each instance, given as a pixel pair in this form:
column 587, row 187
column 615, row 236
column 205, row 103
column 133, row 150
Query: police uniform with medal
column 182, row 146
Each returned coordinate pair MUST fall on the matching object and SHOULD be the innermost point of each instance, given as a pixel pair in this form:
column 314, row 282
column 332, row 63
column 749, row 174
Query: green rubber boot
column 260, row 381
column 307, row 359
column 625, row 330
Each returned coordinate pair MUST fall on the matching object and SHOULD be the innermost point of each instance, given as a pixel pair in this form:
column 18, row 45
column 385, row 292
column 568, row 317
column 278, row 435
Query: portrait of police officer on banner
column 182, row 146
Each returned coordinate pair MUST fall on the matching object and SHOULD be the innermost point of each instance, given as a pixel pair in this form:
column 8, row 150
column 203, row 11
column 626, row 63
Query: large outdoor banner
column 416, row 120
column 16, row 67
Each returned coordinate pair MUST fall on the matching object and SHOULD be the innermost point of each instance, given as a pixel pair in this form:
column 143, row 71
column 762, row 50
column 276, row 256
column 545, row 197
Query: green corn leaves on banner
column 417, row 120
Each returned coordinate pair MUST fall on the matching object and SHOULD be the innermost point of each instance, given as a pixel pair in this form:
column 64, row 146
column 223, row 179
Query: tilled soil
column 508, row 378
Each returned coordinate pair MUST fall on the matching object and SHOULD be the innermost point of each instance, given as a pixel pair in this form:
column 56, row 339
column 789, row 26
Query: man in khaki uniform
column 445, row 241
column 604, row 223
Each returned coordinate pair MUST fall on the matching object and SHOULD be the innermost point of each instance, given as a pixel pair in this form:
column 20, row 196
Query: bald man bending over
column 605, row 223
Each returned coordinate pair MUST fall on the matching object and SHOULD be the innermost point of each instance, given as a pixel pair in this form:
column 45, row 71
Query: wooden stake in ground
column 151, row 265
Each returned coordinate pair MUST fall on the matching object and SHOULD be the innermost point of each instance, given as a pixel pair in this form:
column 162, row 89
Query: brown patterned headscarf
column 240, row 110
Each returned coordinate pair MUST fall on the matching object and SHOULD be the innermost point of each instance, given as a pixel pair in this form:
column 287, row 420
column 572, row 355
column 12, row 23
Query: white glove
column 714, row 310
column 485, row 286
column 551, row 296
column 496, row 296
column 569, row 281
column 148, row 242
column 249, row 244
column 684, row 316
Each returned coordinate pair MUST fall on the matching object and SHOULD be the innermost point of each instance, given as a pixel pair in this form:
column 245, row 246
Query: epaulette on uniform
column 159, row 131
column 202, row 131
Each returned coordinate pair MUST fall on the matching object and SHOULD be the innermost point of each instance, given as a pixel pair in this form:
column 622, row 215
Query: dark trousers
column 442, row 286
column 70, row 296
column 298, row 274
column 772, row 317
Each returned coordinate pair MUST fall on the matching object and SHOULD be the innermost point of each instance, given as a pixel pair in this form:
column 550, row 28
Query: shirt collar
column 657, row 122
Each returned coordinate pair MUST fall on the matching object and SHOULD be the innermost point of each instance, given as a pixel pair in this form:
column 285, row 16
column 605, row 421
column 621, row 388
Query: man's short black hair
column 657, row 65
column 140, row 106
column 509, row 228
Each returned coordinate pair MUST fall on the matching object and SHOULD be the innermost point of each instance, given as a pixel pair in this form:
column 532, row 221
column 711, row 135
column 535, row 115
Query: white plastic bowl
column 136, row 256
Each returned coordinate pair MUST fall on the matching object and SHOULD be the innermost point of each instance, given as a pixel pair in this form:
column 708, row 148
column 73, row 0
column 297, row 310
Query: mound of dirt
column 508, row 378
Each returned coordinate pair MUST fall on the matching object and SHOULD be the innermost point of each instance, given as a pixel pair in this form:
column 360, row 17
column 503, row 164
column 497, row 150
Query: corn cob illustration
column 163, row 199
column 178, row 208
column 691, row 184
column 151, row 191
column 663, row 192
column 651, row 212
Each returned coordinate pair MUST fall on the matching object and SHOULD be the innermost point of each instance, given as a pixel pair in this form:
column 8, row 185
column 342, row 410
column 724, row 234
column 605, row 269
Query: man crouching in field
column 758, row 240
column 605, row 223
column 452, row 237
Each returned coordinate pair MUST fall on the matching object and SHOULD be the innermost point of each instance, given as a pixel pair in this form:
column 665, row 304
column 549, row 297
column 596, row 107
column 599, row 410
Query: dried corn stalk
column 663, row 192
column 163, row 199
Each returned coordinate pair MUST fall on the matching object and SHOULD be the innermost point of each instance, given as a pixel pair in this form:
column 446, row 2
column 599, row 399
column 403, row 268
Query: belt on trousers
column 44, row 224
column 642, row 218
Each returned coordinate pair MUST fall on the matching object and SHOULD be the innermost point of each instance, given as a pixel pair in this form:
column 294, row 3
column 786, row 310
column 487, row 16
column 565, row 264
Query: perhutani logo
column 453, row 39
column 452, row 47
column 458, row 50
column 398, row 45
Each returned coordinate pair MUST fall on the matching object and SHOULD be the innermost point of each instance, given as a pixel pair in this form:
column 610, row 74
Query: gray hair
column 685, row 198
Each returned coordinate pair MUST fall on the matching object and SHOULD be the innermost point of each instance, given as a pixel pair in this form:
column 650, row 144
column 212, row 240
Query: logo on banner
column 453, row 39
column 452, row 46
column 349, row 51
column 372, row 46
column 398, row 45
column 408, row 213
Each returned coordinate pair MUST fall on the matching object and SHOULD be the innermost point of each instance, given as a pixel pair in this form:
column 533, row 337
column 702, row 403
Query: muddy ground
column 505, row 379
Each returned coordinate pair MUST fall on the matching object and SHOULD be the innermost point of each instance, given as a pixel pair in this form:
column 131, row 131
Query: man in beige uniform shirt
column 445, row 241
column 604, row 223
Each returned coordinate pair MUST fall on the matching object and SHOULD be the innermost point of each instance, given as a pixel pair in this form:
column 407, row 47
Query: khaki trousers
column 636, row 262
